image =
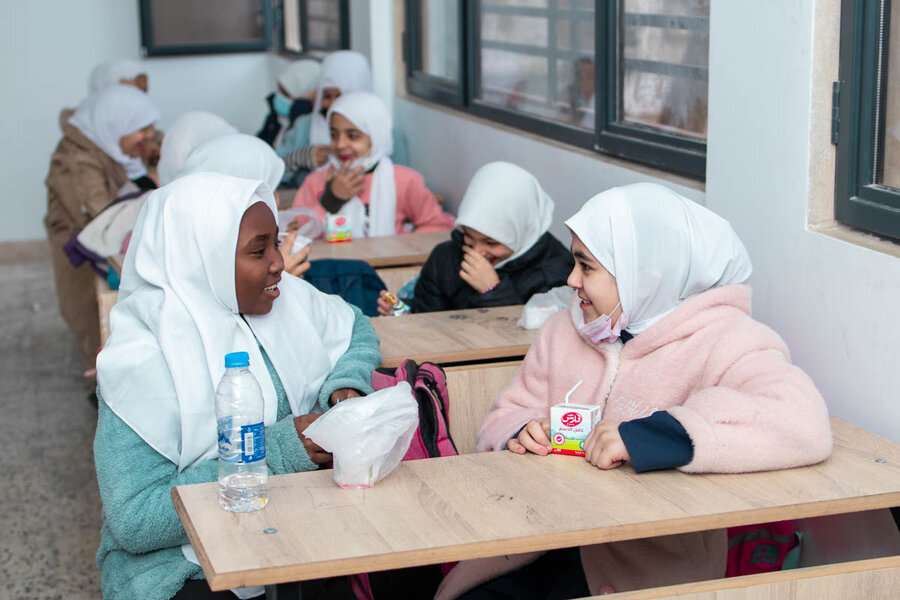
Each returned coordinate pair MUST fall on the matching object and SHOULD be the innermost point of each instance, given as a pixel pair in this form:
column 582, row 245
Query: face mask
column 281, row 104
column 600, row 330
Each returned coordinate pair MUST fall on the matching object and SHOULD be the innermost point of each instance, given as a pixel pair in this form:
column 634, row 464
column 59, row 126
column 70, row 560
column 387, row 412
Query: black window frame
column 344, row 6
column 860, row 123
column 642, row 144
column 150, row 48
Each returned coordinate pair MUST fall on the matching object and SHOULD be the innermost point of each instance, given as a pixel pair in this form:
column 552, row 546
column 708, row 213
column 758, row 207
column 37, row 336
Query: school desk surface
column 477, row 505
column 454, row 336
column 389, row 251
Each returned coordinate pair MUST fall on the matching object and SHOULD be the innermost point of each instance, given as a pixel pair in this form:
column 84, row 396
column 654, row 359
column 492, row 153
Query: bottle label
column 243, row 444
column 253, row 439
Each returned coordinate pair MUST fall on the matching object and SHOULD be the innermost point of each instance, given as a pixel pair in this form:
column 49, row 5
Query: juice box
column 338, row 229
column 570, row 424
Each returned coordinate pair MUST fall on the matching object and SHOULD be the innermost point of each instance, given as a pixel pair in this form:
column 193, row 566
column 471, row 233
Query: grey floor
column 50, row 522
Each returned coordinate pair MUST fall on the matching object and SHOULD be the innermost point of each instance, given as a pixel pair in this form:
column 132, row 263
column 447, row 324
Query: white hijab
column 238, row 155
column 186, row 133
column 112, row 72
column 368, row 113
column 114, row 112
column 300, row 77
column 505, row 202
column 347, row 71
column 177, row 316
column 661, row 247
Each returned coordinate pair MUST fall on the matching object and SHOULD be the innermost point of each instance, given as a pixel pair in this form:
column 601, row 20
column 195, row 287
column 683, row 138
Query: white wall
column 835, row 303
column 47, row 50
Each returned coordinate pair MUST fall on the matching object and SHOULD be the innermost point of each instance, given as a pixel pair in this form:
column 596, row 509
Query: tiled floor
column 50, row 523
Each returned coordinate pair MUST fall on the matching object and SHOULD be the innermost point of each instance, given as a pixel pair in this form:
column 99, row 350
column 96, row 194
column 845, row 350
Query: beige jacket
column 82, row 181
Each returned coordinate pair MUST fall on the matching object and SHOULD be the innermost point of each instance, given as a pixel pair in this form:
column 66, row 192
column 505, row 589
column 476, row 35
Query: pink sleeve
column 310, row 191
column 418, row 206
column 763, row 414
column 523, row 400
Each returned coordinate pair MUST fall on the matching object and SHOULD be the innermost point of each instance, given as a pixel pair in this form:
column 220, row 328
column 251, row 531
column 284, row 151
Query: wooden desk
column 454, row 336
column 391, row 251
column 478, row 505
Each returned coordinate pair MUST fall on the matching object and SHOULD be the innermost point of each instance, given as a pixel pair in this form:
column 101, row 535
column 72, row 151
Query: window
column 203, row 26
column 623, row 77
column 314, row 25
column 866, row 123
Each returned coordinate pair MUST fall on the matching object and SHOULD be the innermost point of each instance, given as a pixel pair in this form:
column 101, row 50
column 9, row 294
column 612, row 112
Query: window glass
column 891, row 167
column 185, row 23
column 440, row 39
column 663, row 65
column 537, row 58
column 323, row 24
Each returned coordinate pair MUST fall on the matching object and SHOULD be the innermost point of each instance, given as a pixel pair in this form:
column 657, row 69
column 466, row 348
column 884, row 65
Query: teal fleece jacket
column 140, row 548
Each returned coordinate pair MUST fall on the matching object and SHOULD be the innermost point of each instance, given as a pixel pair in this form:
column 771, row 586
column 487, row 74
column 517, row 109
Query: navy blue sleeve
column 656, row 442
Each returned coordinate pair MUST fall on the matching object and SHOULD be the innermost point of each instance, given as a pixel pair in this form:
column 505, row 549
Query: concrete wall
column 47, row 50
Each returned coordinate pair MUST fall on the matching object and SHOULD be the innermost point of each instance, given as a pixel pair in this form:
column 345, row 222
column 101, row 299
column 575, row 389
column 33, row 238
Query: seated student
column 205, row 278
column 379, row 197
column 87, row 170
column 501, row 252
column 246, row 156
column 660, row 332
column 305, row 146
column 187, row 132
column 296, row 90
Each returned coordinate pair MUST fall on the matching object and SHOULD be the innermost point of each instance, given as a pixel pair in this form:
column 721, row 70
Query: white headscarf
column 112, row 72
column 505, row 202
column 238, row 155
column 177, row 316
column 347, row 71
column 114, row 112
column 661, row 247
column 186, row 133
column 300, row 77
column 368, row 113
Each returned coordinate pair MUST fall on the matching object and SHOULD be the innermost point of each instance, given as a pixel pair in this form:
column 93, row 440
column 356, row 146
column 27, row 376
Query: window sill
column 604, row 158
column 857, row 237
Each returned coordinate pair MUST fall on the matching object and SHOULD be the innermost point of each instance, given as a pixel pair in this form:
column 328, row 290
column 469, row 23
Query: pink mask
column 600, row 330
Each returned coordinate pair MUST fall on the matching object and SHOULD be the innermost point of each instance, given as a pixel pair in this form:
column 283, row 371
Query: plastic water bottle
column 242, row 437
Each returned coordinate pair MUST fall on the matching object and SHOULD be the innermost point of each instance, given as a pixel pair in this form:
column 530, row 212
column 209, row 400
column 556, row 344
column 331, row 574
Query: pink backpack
column 431, row 439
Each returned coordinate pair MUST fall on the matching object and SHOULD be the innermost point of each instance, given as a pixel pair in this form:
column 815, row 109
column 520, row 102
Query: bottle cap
column 237, row 359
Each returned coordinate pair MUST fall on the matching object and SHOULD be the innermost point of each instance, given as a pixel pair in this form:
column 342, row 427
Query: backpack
column 431, row 439
column 353, row 280
column 762, row 548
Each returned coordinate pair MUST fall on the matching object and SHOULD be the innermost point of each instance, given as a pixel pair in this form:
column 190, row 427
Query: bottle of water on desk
column 242, row 437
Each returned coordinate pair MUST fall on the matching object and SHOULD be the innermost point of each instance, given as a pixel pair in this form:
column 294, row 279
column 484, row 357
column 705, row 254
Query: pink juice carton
column 570, row 424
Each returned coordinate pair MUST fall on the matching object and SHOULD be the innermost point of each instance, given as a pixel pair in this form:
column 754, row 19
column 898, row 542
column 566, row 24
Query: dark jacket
column 271, row 126
column 545, row 265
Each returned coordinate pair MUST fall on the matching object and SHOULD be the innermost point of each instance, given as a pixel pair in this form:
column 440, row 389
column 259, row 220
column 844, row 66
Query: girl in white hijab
column 114, row 72
column 187, row 132
column 660, row 338
column 501, row 252
column 362, row 183
column 203, row 278
column 118, row 119
column 292, row 99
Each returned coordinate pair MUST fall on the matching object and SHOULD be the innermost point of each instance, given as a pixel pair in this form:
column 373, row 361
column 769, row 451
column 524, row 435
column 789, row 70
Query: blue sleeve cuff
column 656, row 442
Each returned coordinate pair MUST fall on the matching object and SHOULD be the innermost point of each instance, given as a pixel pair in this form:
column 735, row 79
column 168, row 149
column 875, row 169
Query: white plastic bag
column 310, row 225
column 367, row 436
column 541, row 307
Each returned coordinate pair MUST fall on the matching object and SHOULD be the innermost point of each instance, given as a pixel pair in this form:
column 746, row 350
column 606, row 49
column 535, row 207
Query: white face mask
column 600, row 330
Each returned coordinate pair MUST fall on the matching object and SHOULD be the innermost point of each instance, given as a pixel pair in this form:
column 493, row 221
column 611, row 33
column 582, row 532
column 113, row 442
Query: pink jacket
column 415, row 204
column 725, row 377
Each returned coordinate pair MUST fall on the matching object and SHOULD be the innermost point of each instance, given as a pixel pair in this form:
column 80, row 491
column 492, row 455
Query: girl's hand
column 534, row 437
column 342, row 394
column 476, row 270
column 315, row 452
column 295, row 264
column 320, row 154
column 384, row 307
column 347, row 183
column 604, row 447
